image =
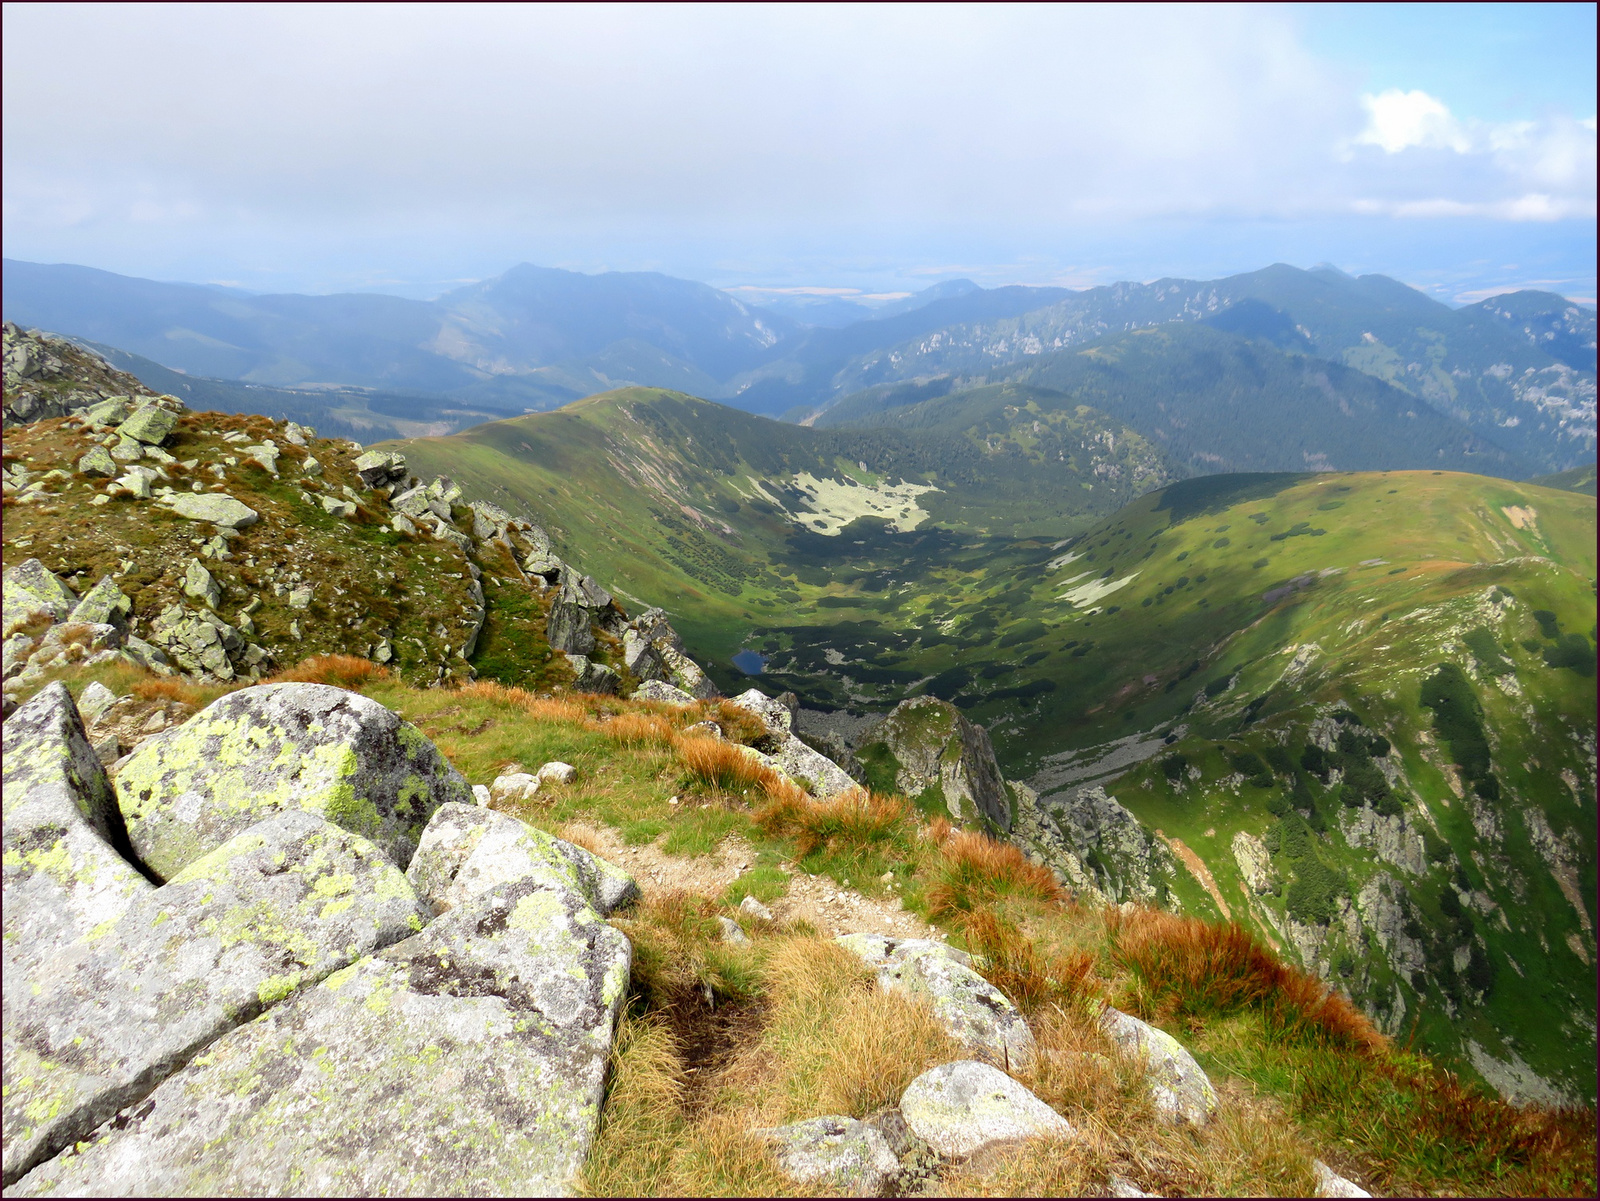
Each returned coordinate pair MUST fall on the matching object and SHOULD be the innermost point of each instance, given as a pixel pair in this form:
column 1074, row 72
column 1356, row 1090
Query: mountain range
column 1516, row 371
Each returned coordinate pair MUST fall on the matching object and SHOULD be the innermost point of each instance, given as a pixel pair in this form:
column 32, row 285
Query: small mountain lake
column 749, row 662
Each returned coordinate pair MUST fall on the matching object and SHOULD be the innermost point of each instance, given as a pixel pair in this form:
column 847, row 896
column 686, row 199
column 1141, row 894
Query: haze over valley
column 657, row 621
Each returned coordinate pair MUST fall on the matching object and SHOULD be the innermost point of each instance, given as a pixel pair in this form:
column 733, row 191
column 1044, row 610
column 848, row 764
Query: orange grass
column 1185, row 965
column 725, row 765
column 856, row 817
column 638, row 729
column 342, row 671
column 1017, row 965
column 974, row 870
column 540, row 708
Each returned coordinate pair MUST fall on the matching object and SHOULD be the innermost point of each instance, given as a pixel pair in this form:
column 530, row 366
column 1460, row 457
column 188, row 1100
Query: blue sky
column 332, row 147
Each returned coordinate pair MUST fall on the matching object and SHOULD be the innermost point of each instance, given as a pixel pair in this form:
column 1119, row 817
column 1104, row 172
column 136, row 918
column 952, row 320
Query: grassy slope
column 871, row 615
column 797, row 1029
column 1447, row 542
column 656, row 493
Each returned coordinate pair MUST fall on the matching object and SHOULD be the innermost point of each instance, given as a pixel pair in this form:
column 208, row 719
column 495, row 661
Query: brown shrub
column 342, row 671
column 1186, row 965
column 974, row 870
column 541, row 708
column 856, row 817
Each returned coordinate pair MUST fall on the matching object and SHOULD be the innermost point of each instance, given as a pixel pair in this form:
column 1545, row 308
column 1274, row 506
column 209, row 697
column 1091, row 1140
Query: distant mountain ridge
column 1517, row 370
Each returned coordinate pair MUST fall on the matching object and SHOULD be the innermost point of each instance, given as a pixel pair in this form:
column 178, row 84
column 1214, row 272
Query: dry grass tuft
column 1187, row 966
column 974, row 871
column 168, row 688
column 638, row 729
column 1021, row 967
column 833, row 1042
column 555, row 710
column 341, row 671
column 856, row 817
column 724, row 765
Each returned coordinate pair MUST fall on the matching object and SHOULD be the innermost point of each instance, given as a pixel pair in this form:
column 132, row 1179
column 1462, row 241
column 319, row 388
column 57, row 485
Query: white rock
column 732, row 931
column 965, row 1107
column 754, row 908
column 480, row 793
column 95, row 700
column 848, row 1155
column 975, row 1012
column 557, row 772
column 517, row 786
column 1331, row 1184
column 1178, row 1085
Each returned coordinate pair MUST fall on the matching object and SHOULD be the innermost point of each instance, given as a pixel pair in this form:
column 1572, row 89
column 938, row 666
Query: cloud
column 1397, row 120
column 442, row 141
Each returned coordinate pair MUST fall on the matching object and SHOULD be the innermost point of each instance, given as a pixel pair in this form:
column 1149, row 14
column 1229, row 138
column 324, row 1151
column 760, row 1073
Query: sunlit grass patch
column 342, row 671
column 1184, row 966
column 833, row 1043
column 725, row 766
column 973, row 870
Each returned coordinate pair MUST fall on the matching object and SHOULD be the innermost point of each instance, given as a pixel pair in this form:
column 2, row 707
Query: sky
column 873, row 150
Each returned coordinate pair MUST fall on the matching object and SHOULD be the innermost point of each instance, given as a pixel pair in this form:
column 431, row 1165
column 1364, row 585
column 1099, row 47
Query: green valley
column 1278, row 679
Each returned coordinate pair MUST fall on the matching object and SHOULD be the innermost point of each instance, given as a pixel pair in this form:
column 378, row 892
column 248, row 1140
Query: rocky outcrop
column 276, row 747
column 470, row 1058
column 49, row 377
column 933, row 751
column 94, row 1027
column 975, row 1012
column 463, row 1052
column 62, row 875
column 1097, row 846
column 784, row 752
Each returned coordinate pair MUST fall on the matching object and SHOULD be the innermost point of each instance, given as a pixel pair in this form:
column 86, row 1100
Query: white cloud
column 1398, row 120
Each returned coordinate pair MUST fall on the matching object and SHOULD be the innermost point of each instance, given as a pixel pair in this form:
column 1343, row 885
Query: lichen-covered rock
column 62, row 874
column 468, row 1060
column 965, row 1107
column 105, row 1019
column 199, row 642
column 662, row 693
column 216, row 507
column 784, row 752
column 97, row 461
column 976, row 1013
column 276, row 747
column 104, row 604
column 934, row 750
column 32, row 588
column 377, row 467
column 840, row 1152
column 149, row 424
column 1178, row 1086
column 589, row 676
column 468, row 850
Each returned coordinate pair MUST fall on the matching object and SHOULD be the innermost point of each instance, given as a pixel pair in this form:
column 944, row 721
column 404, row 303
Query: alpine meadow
column 750, row 707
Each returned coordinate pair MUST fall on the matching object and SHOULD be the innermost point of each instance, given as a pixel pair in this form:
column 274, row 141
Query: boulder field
column 287, row 953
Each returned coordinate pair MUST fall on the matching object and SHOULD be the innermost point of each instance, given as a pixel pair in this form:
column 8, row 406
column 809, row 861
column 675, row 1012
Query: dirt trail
column 832, row 910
